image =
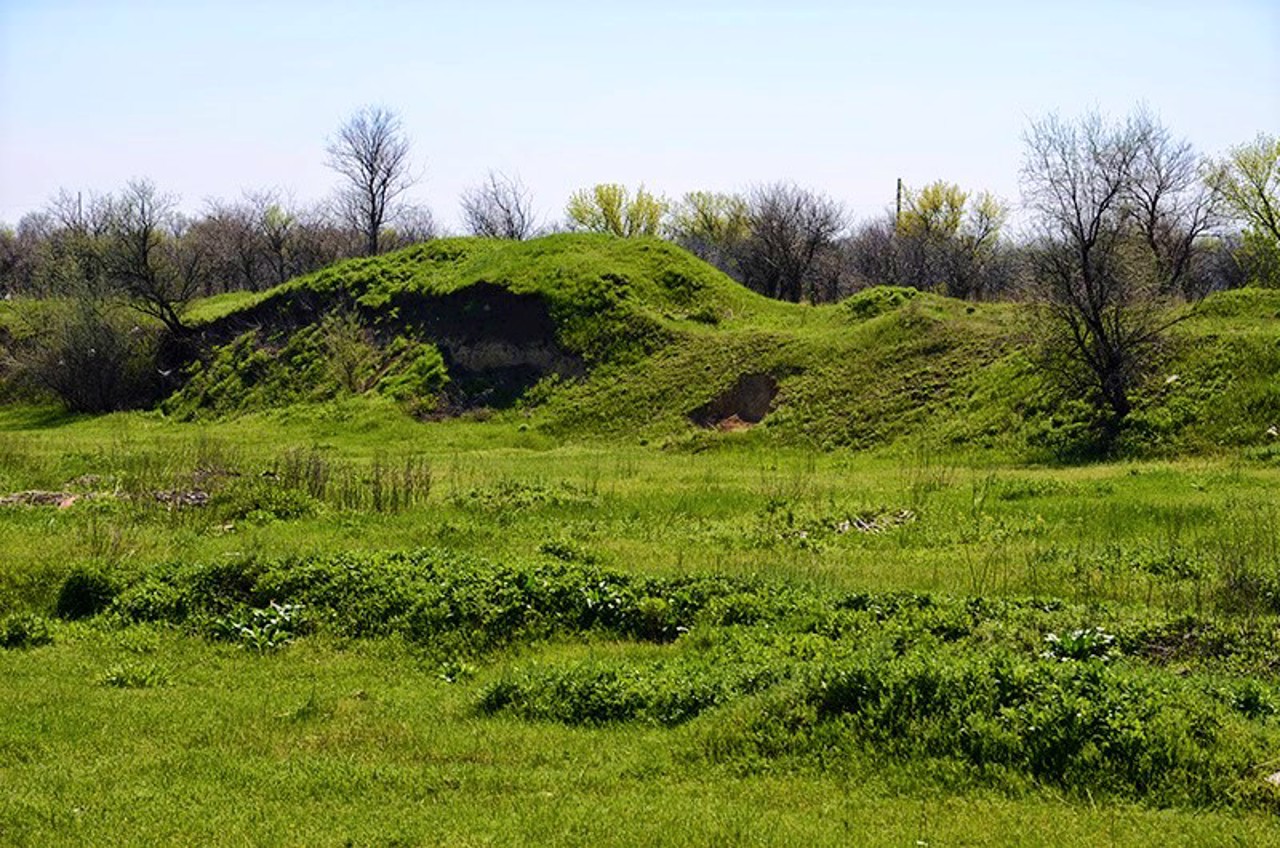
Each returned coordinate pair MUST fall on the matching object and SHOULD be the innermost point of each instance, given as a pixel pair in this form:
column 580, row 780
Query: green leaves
column 611, row 208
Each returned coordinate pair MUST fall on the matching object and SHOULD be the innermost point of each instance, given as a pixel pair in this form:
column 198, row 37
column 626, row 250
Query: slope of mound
column 503, row 315
column 588, row 335
column 599, row 296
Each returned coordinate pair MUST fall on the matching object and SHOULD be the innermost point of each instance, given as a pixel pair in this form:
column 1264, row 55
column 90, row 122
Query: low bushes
column 1011, row 691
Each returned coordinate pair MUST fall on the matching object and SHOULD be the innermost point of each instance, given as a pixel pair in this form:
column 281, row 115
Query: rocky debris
column 875, row 523
column 182, row 497
column 63, row 500
column 40, row 498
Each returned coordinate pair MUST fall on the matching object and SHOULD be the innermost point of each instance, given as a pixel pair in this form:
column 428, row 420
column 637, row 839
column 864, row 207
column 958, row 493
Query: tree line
column 782, row 240
column 1121, row 219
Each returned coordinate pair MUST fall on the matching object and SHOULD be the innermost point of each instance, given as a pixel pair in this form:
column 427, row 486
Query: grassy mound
column 591, row 335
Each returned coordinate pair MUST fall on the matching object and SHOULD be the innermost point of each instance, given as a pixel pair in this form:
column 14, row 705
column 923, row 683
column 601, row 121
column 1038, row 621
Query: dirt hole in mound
column 745, row 403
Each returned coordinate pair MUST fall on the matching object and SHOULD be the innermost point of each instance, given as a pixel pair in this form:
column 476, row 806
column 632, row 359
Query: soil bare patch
column 744, row 404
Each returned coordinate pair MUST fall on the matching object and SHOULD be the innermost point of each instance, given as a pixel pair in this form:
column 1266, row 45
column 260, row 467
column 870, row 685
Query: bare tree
column 791, row 228
column 414, row 224
column 500, row 207
column 1172, row 205
column 146, row 259
column 1117, row 223
column 371, row 153
column 233, row 245
column 322, row 239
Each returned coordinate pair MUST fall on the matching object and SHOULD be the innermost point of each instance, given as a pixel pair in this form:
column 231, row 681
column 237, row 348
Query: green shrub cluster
column 1077, row 723
column 878, row 300
column 85, row 592
column 1011, row 690
column 24, row 630
column 510, row 495
column 446, row 601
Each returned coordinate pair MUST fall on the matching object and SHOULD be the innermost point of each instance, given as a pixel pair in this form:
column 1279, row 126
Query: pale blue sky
column 208, row 98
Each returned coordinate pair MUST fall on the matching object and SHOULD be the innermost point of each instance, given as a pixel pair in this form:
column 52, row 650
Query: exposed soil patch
column 495, row 344
column 745, row 403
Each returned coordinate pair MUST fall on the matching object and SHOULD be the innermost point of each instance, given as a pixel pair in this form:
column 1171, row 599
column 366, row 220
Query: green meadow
column 353, row 583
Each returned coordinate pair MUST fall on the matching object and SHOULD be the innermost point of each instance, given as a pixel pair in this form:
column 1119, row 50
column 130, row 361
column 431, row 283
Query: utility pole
column 897, row 218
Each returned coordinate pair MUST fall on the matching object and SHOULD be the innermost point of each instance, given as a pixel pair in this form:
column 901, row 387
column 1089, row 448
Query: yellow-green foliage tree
column 1248, row 183
column 611, row 208
column 948, row 236
column 712, row 226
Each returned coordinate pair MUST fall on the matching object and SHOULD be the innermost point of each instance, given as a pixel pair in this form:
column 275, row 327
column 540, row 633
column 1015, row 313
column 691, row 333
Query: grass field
column 485, row 543
column 667, row 713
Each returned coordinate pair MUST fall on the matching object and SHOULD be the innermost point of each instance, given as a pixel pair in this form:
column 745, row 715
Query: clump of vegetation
column 878, row 300
column 262, row 500
column 85, row 592
column 383, row 485
column 509, row 495
column 89, row 354
column 24, row 630
column 261, row 370
column 134, row 675
column 261, row 630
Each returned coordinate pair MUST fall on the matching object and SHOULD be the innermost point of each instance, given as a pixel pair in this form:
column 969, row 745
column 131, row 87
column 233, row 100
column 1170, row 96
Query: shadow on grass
column 37, row 417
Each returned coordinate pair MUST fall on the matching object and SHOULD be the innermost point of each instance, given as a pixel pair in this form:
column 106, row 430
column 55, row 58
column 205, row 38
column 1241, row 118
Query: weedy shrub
column 261, row 630
column 975, row 682
column 1086, row 643
column 416, row 375
column 453, row 604
column 878, row 300
column 1085, row 727
column 666, row 693
column 382, row 486
column 24, row 630
column 134, row 675
column 1253, row 699
column 263, row 500
column 178, row 593
column 567, row 550
column 85, row 592
column 90, row 354
column 1079, row 725
column 509, row 495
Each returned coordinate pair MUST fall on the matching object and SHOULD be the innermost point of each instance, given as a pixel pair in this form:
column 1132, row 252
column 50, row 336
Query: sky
column 209, row 99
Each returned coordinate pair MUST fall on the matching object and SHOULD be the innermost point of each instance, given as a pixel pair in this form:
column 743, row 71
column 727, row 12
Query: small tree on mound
column 500, row 207
column 1119, row 211
column 371, row 153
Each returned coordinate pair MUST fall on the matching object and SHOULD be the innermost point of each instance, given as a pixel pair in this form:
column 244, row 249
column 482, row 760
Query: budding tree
column 1248, row 182
column 611, row 208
